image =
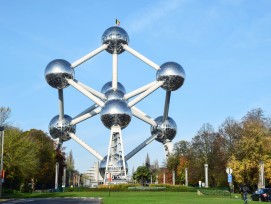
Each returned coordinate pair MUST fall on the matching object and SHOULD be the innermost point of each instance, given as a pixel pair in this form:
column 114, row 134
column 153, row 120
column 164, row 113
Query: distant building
column 93, row 177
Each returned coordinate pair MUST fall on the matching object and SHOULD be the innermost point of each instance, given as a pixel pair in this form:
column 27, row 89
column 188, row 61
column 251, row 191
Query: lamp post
column 2, row 154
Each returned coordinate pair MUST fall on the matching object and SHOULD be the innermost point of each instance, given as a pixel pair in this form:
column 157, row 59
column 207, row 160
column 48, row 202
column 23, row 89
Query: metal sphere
column 116, row 113
column 166, row 131
column 118, row 163
column 60, row 128
column 172, row 74
column 114, row 37
column 108, row 87
column 56, row 72
column 110, row 95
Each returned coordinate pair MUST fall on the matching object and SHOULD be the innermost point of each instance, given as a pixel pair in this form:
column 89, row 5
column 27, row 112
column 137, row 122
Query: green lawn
column 143, row 197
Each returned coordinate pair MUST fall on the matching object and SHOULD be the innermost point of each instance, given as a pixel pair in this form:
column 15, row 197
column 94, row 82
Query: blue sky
column 224, row 47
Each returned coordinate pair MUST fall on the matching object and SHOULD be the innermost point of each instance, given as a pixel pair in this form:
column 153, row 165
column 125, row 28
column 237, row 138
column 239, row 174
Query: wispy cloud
column 151, row 14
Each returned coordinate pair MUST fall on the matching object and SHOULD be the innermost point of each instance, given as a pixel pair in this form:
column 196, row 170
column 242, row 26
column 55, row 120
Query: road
column 54, row 201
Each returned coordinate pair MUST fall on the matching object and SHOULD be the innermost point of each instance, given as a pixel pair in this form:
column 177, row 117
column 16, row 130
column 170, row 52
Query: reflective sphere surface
column 166, row 131
column 60, row 128
column 118, row 163
column 114, row 37
column 114, row 94
column 116, row 112
column 56, row 72
column 173, row 74
column 108, row 87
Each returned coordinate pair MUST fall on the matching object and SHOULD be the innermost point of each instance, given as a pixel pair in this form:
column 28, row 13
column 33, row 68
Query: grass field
column 143, row 197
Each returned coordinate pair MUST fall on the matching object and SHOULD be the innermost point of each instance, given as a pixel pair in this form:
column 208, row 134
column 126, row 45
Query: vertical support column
column 206, row 175
column 186, row 176
column 56, row 175
column 64, row 178
column 262, row 178
column 61, row 104
column 173, row 177
column 115, row 164
column 115, row 71
column 164, row 177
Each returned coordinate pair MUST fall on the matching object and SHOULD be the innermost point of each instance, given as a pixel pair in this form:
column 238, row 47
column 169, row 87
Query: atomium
column 115, row 106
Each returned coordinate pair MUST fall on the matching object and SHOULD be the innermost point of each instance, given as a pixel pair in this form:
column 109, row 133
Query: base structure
column 116, row 167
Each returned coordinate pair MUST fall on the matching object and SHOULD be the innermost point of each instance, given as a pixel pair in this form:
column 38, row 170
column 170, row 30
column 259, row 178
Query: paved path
column 54, row 201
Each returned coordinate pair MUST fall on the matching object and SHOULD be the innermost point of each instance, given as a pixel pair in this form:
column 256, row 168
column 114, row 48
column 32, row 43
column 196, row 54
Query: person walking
column 244, row 192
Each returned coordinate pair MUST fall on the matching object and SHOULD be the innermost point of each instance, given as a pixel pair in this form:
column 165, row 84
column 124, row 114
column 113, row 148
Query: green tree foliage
column 20, row 158
column 239, row 145
column 142, row 175
column 28, row 156
column 44, row 178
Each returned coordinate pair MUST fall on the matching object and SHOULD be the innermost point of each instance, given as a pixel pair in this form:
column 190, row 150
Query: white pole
column 173, row 177
column 146, row 93
column 139, row 147
column 141, row 57
column 138, row 91
column 115, row 72
column 206, row 175
column 186, row 176
column 90, row 55
column 166, row 108
column 86, row 116
column 61, row 104
column 91, row 90
column 56, row 176
column 87, row 147
column 91, row 108
column 85, row 92
column 64, row 177
column 140, row 115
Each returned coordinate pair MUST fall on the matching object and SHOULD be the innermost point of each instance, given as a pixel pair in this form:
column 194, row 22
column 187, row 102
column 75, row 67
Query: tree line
column 240, row 145
column 30, row 157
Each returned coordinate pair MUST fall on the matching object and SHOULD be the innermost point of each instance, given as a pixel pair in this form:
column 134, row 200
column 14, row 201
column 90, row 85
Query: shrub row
column 214, row 192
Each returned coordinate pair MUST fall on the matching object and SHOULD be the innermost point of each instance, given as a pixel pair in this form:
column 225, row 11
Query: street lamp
column 2, row 154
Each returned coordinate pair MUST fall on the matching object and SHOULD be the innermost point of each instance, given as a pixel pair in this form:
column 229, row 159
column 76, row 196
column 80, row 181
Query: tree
column 46, row 155
column 20, row 158
column 70, row 168
column 4, row 115
column 142, row 175
column 147, row 161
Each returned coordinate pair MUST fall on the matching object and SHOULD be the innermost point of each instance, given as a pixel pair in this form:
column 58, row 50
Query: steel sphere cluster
column 115, row 111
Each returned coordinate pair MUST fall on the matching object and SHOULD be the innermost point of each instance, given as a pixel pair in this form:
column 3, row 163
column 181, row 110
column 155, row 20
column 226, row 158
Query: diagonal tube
column 140, row 147
column 142, row 116
column 91, row 108
column 87, row 147
column 146, row 93
column 141, row 57
column 138, row 91
column 91, row 90
column 89, row 55
column 85, row 92
column 85, row 116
